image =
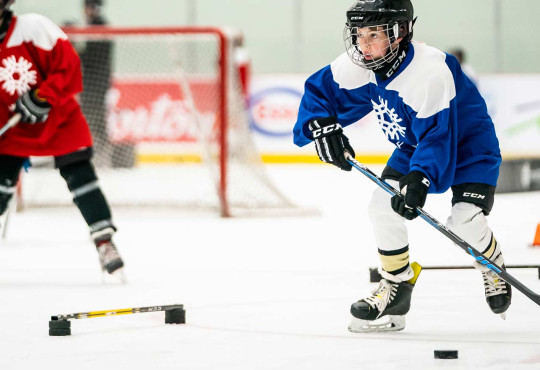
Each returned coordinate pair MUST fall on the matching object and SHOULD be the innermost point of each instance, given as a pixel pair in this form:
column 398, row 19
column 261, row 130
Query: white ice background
column 260, row 293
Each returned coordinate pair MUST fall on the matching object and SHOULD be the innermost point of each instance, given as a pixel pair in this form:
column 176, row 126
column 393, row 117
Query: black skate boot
column 109, row 258
column 498, row 292
column 389, row 302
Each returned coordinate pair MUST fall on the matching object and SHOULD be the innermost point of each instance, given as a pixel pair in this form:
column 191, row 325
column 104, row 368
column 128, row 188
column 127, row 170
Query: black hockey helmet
column 395, row 17
column 375, row 12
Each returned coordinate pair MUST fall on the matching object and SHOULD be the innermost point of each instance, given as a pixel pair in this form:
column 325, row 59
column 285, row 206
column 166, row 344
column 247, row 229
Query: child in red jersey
column 40, row 74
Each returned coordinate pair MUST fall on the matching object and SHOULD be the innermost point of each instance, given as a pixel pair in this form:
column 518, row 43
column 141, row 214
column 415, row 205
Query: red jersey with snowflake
column 37, row 54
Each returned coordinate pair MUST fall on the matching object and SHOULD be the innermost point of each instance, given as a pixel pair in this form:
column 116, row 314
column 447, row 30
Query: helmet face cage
column 378, row 40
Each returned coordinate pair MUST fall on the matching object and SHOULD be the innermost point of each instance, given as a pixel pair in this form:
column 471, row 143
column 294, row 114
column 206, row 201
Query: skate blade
column 385, row 324
column 117, row 276
column 503, row 315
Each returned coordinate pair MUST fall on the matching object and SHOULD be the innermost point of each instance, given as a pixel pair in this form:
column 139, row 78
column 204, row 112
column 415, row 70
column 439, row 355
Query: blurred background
column 304, row 35
column 271, row 291
column 277, row 45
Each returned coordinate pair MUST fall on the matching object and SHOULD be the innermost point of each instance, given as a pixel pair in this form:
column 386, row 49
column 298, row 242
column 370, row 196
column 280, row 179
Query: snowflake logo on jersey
column 388, row 120
column 16, row 75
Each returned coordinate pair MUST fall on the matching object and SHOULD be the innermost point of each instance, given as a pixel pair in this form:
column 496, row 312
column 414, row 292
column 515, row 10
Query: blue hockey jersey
column 429, row 109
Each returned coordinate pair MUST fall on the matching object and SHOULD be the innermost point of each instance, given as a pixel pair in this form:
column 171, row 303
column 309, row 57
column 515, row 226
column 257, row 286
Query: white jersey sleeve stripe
column 348, row 75
column 430, row 95
column 37, row 29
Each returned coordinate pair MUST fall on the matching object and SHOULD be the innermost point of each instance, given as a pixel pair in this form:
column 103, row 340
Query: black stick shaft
column 472, row 267
column 480, row 258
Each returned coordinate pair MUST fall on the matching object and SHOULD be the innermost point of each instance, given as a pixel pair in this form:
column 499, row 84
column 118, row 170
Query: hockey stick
column 13, row 121
column 122, row 311
column 449, row 234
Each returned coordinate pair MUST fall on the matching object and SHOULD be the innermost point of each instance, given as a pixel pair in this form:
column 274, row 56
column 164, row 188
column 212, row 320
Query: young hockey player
column 40, row 74
column 443, row 135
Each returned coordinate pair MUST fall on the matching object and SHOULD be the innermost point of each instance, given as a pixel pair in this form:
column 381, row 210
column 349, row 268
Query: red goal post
column 151, row 92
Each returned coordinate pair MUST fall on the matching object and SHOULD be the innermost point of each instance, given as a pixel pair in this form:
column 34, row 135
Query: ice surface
column 260, row 293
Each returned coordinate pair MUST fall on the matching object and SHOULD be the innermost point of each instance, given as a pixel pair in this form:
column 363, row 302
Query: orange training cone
column 537, row 236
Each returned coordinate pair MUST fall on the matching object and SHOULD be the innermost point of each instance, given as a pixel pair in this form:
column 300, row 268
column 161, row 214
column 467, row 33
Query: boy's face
column 374, row 42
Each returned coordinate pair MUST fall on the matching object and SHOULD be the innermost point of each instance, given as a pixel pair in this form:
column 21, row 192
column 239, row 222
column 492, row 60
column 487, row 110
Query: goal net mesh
column 169, row 123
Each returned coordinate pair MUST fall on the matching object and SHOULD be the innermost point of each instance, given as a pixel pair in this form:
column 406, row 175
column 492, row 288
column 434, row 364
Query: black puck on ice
column 446, row 354
column 175, row 316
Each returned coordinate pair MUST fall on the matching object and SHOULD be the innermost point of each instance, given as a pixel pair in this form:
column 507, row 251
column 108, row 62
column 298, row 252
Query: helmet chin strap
column 387, row 70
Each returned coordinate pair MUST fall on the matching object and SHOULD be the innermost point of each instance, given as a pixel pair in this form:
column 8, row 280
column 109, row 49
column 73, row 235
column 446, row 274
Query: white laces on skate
column 383, row 295
column 493, row 284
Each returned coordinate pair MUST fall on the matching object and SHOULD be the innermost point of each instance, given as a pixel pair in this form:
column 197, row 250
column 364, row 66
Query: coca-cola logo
column 273, row 111
column 158, row 117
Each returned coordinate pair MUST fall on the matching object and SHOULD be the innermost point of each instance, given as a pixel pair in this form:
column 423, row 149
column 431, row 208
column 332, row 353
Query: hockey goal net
column 169, row 123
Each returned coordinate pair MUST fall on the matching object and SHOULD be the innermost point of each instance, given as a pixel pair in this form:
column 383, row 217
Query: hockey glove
column 32, row 108
column 414, row 189
column 330, row 142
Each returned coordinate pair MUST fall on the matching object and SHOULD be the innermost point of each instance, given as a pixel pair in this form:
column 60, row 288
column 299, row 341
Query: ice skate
column 109, row 258
column 498, row 292
column 385, row 309
column 4, row 218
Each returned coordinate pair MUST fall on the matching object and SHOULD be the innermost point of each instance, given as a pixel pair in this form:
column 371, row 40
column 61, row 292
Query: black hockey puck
column 175, row 316
column 446, row 354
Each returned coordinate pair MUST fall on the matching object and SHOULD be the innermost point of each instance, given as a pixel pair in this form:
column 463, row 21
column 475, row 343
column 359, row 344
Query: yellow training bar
column 121, row 311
